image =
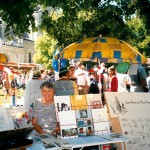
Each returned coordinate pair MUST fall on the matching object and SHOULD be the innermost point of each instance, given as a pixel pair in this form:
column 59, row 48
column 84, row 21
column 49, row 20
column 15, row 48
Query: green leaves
column 44, row 47
column 139, row 35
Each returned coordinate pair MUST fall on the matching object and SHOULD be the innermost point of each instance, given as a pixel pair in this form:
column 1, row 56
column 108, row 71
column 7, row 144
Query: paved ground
column 19, row 97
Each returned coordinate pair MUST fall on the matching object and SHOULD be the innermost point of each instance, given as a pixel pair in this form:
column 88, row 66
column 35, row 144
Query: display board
column 81, row 115
column 129, row 113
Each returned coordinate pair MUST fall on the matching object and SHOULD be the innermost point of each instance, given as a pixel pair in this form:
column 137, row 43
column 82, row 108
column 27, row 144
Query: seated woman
column 44, row 115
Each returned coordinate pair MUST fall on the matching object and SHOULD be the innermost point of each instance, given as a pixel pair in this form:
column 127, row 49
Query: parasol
column 109, row 50
column 3, row 58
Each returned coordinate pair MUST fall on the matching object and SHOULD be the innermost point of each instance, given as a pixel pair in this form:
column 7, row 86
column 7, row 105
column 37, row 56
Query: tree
column 79, row 19
column 18, row 14
column 44, row 47
column 84, row 19
column 139, row 36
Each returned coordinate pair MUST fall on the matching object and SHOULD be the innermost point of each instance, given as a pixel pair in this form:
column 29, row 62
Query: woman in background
column 112, row 79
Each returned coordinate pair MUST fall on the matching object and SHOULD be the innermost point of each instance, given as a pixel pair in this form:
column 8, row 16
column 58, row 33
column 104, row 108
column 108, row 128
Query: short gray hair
column 47, row 84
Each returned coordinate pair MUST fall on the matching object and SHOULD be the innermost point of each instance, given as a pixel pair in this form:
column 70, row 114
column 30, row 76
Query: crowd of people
column 41, row 86
column 76, row 80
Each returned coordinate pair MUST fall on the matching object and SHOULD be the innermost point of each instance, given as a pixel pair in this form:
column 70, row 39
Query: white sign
column 133, row 111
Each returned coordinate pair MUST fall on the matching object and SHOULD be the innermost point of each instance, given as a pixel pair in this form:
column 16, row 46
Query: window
column 29, row 57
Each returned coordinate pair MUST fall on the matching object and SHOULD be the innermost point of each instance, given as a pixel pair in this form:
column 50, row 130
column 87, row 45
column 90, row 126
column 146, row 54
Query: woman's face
column 110, row 72
column 47, row 93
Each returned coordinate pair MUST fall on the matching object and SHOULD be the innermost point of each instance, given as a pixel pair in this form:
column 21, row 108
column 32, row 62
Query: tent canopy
column 110, row 50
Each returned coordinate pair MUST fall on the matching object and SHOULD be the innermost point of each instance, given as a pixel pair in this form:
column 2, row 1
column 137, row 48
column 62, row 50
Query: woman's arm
column 36, row 126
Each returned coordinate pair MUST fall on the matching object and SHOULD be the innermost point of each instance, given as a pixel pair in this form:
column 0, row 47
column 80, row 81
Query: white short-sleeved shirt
column 81, row 79
column 148, row 82
column 122, row 80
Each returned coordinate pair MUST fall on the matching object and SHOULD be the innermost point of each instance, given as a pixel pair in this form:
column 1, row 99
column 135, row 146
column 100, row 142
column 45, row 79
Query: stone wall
column 17, row 54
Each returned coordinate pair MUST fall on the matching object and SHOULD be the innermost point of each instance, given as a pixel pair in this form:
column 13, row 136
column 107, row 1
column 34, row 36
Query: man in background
column 81, row 76
column 64, row 86
column 137, row 79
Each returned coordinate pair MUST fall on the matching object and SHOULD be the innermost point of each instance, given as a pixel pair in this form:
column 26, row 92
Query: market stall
column 83, row 122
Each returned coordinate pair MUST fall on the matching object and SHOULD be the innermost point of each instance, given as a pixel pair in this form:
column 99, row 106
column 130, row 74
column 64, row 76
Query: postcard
column 85, row 131
column 99, row 115
column 94, row 101
column 78, row 102
column 69, row 133
column 101, row 128
column 67, row 119
column 62, row 103
column 84, row 113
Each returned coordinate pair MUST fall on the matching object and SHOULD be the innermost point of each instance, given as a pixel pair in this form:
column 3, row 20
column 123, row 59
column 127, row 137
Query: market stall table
column 80, row 142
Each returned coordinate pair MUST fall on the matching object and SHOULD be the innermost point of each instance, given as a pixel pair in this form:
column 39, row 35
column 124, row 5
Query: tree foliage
column 139, row 36
column 85, row 19
column 18, row 14
column 44, row 47
column 72, row 20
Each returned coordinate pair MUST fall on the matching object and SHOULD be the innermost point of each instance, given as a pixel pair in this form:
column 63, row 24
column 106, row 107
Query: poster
column 130, row 113
column 100, row 115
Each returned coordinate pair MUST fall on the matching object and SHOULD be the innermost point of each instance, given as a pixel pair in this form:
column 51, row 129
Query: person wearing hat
column 32, row 90
column 64, row 86
column 123, row 78
column 81, row 76
column 37, row 75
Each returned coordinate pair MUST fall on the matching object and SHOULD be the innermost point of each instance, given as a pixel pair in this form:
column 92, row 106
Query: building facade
column 19, row 54
column 20, row 50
